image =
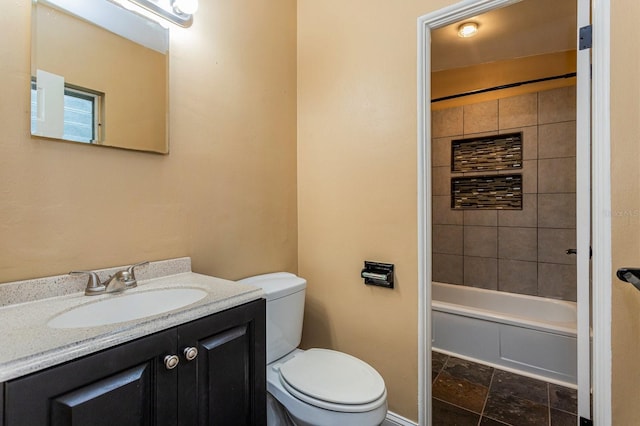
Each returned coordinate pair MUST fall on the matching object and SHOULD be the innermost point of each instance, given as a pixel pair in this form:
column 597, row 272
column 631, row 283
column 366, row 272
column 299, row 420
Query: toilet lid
column 333, row 377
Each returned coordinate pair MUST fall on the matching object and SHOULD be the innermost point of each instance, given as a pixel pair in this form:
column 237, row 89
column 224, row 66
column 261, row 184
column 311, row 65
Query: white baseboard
column 395, row 420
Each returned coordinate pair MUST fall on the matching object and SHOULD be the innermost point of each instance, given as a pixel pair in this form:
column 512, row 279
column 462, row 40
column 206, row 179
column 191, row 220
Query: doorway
column 447, row 16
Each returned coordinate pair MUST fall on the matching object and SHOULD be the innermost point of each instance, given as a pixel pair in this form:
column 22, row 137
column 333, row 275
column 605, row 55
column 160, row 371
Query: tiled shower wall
column 518, row 251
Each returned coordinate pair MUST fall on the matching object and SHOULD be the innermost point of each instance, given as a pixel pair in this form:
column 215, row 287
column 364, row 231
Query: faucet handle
column 94, row 286
column 132, row 282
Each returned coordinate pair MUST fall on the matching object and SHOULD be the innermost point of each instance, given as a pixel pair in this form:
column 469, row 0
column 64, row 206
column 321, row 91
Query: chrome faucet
column 120, row 281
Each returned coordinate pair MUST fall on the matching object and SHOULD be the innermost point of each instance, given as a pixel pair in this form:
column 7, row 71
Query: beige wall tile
column 557, row 175
column 443, row 214
column 481, row 241
column 447, row 239
column 518, row 111
column 447, row 268
column 481, row 217
column 530, row 177
column 510, row 253
column 557, row 105
column 516, row 276
column 441, row 151
column 518, row 243
column 481, row 117
column 480, row 134
column 553, row 243
column 446, row 122
column 527, row 217
column 557, row 210
column 557, row 281
column 557, row 140
column 441, row 180
column 481, row 272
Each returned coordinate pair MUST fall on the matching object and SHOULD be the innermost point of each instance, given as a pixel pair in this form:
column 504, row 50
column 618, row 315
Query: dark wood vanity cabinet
column 131, row 385
column 227, row 384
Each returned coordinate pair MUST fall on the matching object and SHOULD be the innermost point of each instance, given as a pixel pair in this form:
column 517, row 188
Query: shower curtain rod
column 504, row 86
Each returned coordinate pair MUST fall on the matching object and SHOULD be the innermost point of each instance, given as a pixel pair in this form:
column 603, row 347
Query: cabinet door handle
column 171, row 361
column 190, row 353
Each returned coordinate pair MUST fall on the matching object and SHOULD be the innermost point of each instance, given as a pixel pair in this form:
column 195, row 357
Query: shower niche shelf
column 495, row 192
column 487, row 153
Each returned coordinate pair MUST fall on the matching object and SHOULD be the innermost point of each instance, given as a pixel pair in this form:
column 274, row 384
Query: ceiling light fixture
column 468, row 29
column 180, row 12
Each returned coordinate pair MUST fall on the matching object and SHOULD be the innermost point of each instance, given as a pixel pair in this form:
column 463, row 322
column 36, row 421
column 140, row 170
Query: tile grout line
column 486, row 398
column 451, row 403
column 458, row 406
column 482, row 414
column 433, row 380
column 549, row 403
column 484, row 406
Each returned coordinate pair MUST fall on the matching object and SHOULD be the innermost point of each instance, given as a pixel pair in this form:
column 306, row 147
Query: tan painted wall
column 625, row 218
column 225, row 195
column 493, row 74
column 357, row 181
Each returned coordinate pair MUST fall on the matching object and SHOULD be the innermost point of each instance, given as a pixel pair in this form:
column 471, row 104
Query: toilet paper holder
column 378, row 273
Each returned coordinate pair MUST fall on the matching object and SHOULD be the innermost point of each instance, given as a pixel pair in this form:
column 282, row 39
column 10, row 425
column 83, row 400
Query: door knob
column 190, row 353
column 630, row 275
column 171, row 361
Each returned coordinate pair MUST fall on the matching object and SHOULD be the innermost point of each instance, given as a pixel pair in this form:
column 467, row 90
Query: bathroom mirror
column 99, row 75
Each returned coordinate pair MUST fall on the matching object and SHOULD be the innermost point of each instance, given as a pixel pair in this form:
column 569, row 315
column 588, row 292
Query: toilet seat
column 333, row 380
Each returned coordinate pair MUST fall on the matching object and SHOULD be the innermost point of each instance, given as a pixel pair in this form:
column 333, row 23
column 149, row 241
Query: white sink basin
column 126, row 307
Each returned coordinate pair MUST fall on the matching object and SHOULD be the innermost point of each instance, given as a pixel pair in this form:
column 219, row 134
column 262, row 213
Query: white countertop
column 27, row 344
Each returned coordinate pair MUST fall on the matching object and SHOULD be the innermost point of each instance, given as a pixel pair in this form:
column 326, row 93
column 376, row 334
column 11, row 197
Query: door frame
column 600, row 203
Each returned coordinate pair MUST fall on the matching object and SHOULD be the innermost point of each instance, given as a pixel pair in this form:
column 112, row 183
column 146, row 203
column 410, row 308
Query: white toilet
column 316, row 387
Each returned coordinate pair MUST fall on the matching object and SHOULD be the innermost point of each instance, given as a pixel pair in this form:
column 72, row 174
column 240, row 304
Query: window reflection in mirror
column 82, row 119
column 93, row 86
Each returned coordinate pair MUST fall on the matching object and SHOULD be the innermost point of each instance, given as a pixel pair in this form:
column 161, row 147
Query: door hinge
column 585, row 38
column 585, row 422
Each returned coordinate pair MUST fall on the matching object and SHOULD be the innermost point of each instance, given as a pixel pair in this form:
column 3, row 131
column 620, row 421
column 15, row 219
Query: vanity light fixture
column 188, row 7
column 468, row 29
column 180, row 12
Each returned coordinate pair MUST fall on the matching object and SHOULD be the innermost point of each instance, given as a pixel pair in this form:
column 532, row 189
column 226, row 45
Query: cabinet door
column 225, row 384
column 126, row 386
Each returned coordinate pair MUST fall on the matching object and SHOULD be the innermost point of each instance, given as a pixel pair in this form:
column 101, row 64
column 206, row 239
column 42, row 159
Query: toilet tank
column 285, row 310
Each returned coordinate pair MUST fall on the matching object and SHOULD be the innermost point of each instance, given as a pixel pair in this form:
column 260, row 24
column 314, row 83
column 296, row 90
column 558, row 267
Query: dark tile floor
column 468, row 393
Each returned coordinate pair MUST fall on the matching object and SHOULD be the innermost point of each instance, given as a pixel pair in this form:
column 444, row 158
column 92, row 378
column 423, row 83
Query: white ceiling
column 527, row 28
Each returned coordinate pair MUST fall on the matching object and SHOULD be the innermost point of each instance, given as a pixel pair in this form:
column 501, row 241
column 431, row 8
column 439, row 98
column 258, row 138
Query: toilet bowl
column 316, row 387
column 325, row 404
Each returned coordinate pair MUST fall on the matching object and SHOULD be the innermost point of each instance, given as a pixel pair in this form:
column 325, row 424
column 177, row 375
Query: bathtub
column 529, row 335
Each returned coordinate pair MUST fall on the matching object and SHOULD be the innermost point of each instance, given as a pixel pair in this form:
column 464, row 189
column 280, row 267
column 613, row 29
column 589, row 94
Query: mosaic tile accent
column 498, row 152
column 497, row 192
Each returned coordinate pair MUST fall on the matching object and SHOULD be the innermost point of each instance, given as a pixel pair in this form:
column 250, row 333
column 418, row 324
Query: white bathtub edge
column 562, row 328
